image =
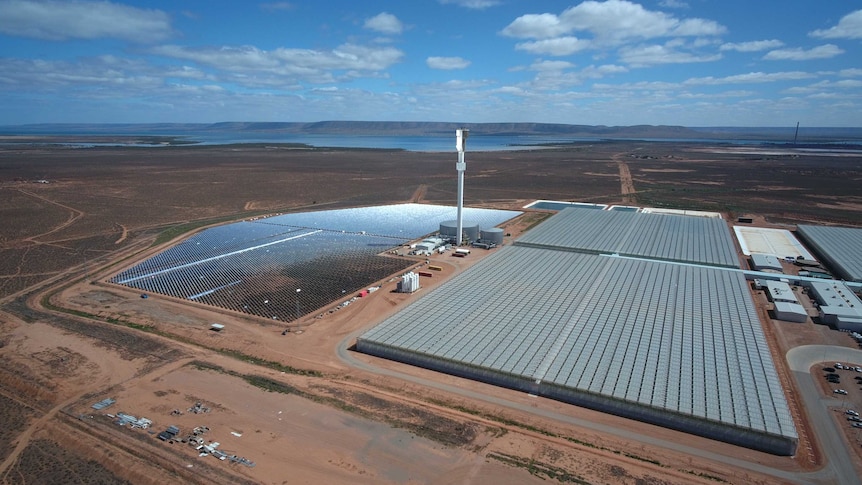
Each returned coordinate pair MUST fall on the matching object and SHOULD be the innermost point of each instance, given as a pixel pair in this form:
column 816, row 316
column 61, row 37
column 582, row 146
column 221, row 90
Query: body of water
column 409, row 143
column 428, row 143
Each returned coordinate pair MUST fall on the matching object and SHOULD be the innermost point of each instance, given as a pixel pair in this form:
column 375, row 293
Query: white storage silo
column 409, row 283
column 493, row 235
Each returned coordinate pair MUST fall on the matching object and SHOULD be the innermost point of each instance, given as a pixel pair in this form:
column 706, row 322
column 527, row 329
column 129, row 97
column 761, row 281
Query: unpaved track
column 419, row 194
column 74, row 215
column 627, row 184
column 23, row 439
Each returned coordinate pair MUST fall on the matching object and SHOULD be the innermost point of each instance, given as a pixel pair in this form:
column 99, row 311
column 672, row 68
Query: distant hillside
column 420, row 128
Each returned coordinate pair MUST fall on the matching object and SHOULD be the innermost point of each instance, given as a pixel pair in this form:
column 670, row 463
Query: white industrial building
column 790, row 312
column 780, row 291
column 628, row 313
column 839, row 306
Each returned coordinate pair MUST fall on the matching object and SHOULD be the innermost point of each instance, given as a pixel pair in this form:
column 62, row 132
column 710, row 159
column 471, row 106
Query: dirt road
column 627, row 185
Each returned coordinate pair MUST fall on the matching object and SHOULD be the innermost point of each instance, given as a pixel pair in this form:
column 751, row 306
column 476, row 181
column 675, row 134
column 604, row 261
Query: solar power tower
column 461, row 135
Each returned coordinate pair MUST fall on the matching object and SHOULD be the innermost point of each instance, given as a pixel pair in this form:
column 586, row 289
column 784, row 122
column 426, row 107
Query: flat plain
column 300, row 406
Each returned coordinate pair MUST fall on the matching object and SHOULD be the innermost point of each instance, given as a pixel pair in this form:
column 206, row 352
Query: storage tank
column 449, row 229
column 492, row 235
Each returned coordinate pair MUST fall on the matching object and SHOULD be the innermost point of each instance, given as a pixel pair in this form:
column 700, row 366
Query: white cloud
column 825, row 51
column 637, row 86
column 560, row 46
column 510, row 90
column 185, row 72
column 751, row 78
column 849, row 27
column 673, row 4
column 649, row 55
column 853, row 72
column 698, row 28
column 550, row 65
column 82, row 19
column 602, row 71
column 536, row 26
column 447, row 63
column 250, row 66
column 853, row 84
column 837, row 96
column 751, row 46
column 554, row 77
column 107, row 72
column 385, row 23
column 721, row 95
column 619, row 19
column 473, row 4
column 611, row 22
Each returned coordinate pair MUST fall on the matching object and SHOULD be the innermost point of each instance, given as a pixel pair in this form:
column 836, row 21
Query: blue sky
column 610, row 62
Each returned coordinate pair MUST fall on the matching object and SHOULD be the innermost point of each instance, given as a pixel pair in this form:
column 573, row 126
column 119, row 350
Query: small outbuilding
column 216, row 327
column 790, row 312
column 766, row 262
column 779, row 291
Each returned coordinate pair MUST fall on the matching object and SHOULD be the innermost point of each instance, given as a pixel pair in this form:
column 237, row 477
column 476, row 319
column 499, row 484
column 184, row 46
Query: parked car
column 851, row 412
column 840, row 391
column 828, row 369
column 854, row 418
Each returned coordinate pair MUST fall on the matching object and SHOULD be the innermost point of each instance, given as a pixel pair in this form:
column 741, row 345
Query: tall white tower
column 461, row 145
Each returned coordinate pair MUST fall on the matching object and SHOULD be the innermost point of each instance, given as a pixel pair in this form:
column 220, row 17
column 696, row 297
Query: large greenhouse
column 704, row 240
column 675, row 344
column 839, row 247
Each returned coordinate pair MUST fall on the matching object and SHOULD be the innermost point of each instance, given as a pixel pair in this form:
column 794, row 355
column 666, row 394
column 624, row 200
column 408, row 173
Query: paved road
column 839, row 463
column 838, row 469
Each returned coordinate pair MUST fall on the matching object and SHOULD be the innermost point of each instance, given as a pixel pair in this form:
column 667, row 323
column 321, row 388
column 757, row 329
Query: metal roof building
column 840, row 247
column 839, row 306
column 655, row 236
column 678, row 345
column 763, row 262
column 790, row 312
column 780, row 291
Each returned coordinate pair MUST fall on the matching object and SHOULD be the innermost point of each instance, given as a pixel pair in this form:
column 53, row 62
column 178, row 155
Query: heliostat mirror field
column 286, row 266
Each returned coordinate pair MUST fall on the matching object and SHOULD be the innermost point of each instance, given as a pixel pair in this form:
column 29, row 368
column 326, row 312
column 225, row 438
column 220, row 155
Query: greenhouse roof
column 668, row 237
column 840, row 246
column 678, row 337
column 679, row 342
